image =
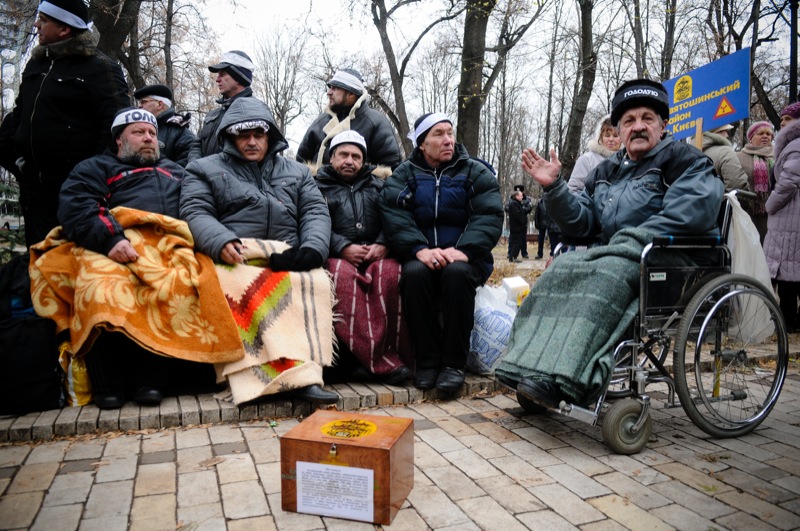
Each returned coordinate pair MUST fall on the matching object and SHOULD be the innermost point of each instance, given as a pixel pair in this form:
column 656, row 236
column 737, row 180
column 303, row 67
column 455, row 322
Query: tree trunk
column 587, row 70
column 168, row 77
column 669, row 40
column 115, row 19
column 470, row 89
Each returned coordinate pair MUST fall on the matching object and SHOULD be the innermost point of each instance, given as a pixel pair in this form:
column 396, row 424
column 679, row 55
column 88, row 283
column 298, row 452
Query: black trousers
column 788, row 292
column 38, row 199
column 517, row 244
column 425, row 294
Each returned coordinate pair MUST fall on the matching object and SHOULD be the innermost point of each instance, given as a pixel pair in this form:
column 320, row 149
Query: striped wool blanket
column 576, row 313
column 284, row 319
column 369, row 318
column 168, row 301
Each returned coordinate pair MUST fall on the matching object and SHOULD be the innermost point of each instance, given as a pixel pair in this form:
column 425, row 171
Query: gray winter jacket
column 782, row 244
column 226, row 197
column 595, row 153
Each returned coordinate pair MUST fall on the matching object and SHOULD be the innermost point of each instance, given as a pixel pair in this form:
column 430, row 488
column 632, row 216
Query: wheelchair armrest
column 704, row 241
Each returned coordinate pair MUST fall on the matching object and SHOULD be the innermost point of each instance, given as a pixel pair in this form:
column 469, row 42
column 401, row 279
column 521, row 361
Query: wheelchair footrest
column 584, row 415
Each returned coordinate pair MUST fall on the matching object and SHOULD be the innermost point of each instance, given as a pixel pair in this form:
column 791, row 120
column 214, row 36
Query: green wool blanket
column 577, row 312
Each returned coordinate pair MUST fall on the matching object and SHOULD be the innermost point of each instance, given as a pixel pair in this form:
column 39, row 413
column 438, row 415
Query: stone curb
column 189, row 410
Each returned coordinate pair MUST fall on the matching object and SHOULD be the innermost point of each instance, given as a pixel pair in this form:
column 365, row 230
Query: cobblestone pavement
column 480, row 463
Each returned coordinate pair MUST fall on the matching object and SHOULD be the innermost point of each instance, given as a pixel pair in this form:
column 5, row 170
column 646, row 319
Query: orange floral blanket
column 169, row 301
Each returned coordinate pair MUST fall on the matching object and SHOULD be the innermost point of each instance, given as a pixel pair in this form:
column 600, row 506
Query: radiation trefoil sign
column 718, row 92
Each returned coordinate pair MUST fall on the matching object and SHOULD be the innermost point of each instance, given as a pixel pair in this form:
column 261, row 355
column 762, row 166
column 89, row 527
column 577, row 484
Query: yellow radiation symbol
column 683, row 89
column 349, row 428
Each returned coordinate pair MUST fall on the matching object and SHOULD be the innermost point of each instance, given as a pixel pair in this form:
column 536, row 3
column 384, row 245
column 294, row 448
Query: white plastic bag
column 747, row 258
column 489, row 339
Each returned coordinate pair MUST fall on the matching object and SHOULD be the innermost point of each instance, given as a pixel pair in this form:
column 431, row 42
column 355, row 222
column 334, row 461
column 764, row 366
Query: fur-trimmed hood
column 84, row 43
column 788, row 134
column 595, row 144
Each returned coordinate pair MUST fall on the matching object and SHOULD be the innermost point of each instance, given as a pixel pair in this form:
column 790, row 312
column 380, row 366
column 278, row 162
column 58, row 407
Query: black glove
column 303, row 259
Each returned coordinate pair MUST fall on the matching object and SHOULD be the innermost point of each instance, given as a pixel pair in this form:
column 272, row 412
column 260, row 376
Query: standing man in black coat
column 175, row 140
column 518, row 207
column 348, row 109
column 63, row 112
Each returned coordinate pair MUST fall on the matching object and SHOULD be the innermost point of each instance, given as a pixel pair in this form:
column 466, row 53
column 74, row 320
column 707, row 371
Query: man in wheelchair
column 563, row 337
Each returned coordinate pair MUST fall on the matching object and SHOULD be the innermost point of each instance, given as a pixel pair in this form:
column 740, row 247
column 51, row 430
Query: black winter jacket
column 209, row 143
column 456, row 205
column 355, row 213
column 67, row 100
column 226, row 197
column 518, row 214
column 103, row 182
column 175, row 140
column 382, row 147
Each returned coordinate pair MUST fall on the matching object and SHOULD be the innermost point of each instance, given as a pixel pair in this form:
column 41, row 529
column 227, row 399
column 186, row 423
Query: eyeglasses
column 145, row 100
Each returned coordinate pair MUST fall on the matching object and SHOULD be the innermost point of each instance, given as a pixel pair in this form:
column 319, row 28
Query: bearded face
column 138, row 144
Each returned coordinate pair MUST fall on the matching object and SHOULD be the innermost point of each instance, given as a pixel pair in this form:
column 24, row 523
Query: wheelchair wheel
column 731, row 354
column 530, row 407
column 617, row 424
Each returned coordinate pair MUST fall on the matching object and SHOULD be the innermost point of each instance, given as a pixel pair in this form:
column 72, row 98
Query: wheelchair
column 715, row 339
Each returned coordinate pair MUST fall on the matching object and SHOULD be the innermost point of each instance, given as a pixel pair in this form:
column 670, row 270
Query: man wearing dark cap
column 175, row 140
column 348, row 109
column 234, row 77
column 63, row 112
column 653, row 186
column 518, row 207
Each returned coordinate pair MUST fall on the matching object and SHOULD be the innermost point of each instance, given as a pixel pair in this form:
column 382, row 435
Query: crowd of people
column 349, row 239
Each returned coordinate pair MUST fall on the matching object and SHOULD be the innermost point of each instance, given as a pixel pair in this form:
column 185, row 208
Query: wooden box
column 348, row 465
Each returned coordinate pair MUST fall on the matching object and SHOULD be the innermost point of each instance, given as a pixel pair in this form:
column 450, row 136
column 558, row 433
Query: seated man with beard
column 135, row 176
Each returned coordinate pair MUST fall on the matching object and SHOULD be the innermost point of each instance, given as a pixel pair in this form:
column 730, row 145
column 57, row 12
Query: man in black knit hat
column 175, row 140
column 63, row 112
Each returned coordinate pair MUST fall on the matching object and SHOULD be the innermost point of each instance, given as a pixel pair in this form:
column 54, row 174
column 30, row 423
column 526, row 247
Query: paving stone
column 49, row 452
column 229, row 448
column 261, row 523
column 522, row 472
column 124, row 445
column 790, row 483
column 293, row 521
column 338, row 524
column 228, row 433
column 270, row 475
column 87, row 419
column 265, row 450
column 407, row 520
column 203, row 516
column 267, row 409
column 254, row 432
column 237, row 468
column 158, row 442
column 248, row 411
column 486, row 513
column 789, row 465
column 494, row 432
column 579, row 460
column 116, row 468
column 743, row 522
column 150, row 513
column 81, row 465
column 13, row 455
column 109, row 499
column 5, row 425
column 632, row 490
column 471, row 464
column 755, row 486
column 761, row 509
column 154, row 458
column 514, row 498
column 693, row 500
column 63, row 518
column 366, row 396
column 69, row 489
column 383, row 395
column 415, row 395
column 34, row 477
column 531, row 453
column 423, row 424
column 243, row 499
column 440, row 440
column 484, row 446
column 108, row 420
column 228, row 412
column 196, row 488
column 89, row 449
column 300, row 407
column 44, row 426
column 399, row 394
column 129, row 416
column 149, row 417
column 209, row 409
column 105, row 523
column 66, row 421
column 19, row 510
column 454, row 483
column 190, row 459
column 21, row 428
column 682, row 518
column 628, row 514
column 283, row 408
column 696, row 479
column 564, row 502
column 435, row 507
column 455, row 427
column 553, row 522
column 190, row 410
column 603, row 525
column 576, row 481
column 428, row 410
column 169, row 412
column 191, row 438
column 155, row 479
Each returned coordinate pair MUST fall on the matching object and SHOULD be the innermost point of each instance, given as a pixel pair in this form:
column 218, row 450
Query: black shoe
column 538, row 257
column 109, row 400
column 315, row 393
column 506, row 381
column 525, row 256
column 450, row 379
column 543, row 393
column 425, row 378
column 147, row 396
column 361, row 374
column 398, row 375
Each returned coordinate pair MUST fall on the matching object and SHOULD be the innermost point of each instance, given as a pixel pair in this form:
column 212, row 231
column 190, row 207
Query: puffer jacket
column 382, row 147
column 67, row 100
column 595, row 153
column 671, row 190
column 518, row 214
column 175, row 140
column 100, row 183
column 782, row 244
column 355, row 213
column 456, row 205
column 226, row 197
column 209, row 142
column 726, row 163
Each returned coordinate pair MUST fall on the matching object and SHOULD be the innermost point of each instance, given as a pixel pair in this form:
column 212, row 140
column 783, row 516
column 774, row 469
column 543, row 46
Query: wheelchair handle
column 665, row 240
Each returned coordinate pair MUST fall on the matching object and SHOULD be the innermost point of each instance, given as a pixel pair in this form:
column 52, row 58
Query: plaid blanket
column 284, row 320
column 157, row 301
column 369, row 318
column 575, row 315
